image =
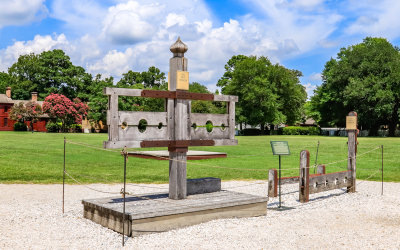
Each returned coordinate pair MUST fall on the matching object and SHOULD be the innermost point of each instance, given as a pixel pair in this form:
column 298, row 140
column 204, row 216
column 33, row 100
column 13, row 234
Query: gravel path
column 30, row 217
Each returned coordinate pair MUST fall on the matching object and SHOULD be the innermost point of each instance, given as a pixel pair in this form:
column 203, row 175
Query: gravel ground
column 31, row 217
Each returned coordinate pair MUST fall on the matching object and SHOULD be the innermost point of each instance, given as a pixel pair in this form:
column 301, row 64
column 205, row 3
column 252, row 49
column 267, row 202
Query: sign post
column 280, row 148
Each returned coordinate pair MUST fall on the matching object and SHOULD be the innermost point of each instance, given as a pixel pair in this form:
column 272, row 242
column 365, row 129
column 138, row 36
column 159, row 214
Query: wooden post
column 304, row 177
column 272, row 183
column 178, row 124
column 351, row 126
column 113, row 119
column 321, row 169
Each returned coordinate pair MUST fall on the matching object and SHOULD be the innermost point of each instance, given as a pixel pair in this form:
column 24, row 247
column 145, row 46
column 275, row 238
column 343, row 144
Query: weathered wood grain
column 133, row 118
column 122, row 91
column 231, row 112
column 272, row 183
column 225, row 98
column 329, row 181
column 121, row 144
column 151, row 133
column 215, row 134
column 216, row 119
column 113, row 110
column 304, row 176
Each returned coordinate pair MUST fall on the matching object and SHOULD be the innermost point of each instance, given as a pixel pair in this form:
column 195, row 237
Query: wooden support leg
column 273, row 183
column 304, row 177
column 351, row 165
column 177, row 175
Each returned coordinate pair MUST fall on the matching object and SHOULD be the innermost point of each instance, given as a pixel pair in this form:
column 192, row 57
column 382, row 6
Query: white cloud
column 289, row 21
column 315, row 77
column 131, row 22
column 175, row 19
column 39, row 44
column 380, row 20
column 20, row 12
column 112, row 37
column 114, row 61
column 79, row 17
column 309, row 89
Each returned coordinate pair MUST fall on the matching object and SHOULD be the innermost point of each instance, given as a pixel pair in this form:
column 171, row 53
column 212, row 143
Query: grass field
column 38, row 158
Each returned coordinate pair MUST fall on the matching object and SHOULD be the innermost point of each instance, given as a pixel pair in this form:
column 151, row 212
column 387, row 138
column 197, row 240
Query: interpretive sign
column 280, row 147
column 351, row 122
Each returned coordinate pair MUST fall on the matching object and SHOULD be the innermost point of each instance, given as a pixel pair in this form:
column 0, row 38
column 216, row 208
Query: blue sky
column 113, row 36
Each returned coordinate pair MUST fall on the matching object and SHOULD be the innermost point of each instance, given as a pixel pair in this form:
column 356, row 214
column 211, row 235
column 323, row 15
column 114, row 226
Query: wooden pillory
column 176, row 128
column 322, row 181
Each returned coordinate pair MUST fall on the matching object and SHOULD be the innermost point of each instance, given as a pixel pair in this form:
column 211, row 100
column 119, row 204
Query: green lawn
column 38, row 158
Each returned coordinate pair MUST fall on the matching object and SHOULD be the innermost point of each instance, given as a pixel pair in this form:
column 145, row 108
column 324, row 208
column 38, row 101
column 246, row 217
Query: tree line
column 364, row 78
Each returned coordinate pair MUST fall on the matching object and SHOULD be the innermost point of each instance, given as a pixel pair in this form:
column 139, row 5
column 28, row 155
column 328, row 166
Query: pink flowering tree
column 68, row 112
column 26, row 112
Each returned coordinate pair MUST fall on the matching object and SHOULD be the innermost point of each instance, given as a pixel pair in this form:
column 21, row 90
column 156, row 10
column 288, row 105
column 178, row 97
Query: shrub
column 76, row 128
column 250, row 131
column 20, row 126
column 53, row 127
column 292, row 130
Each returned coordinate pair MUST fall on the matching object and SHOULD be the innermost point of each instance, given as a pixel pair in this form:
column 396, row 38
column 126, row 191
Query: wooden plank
column 225, row 98
column 215, row 134
column 170, row 119
column 225, row 142
column 351, row 165
column 352, row 151
column 121, row 144
column 329, row 181
column 304, row 176
column 122, row 91
column 113, row 109
column 151, row 133
column 176, row 144
column 133, row 118
column 181, row 120
column 231, row 120
column 179, row 116
column 177, row 175
column 272, row 183
column 216, row 119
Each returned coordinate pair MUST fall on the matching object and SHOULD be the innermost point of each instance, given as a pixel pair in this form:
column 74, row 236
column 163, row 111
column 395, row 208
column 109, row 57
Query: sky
column 111, row 37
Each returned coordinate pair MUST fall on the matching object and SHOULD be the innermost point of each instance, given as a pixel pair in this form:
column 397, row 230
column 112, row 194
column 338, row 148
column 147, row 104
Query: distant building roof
column 5, row 99
column 309, row 121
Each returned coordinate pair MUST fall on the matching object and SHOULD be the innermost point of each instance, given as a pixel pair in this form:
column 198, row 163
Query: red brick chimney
column 34, row 96
column 8, row 92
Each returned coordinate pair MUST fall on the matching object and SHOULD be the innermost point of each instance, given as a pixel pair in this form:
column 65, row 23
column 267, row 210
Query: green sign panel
column 280, row 147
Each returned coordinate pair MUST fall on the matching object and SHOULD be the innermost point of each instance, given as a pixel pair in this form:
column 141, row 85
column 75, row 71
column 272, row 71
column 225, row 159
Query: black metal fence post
column 123, row 194
column 63, row 178
column 382, row 171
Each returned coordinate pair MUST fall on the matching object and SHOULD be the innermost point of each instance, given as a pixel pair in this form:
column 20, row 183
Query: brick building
column 6, row 103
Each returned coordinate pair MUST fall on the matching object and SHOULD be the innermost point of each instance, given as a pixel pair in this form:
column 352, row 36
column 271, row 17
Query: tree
column 365, row 78
column 46, row 73
column 4, row 81
column 68, row 112
column 26, row 112
column 151, row 79
column 205, row 106
column 97, row 100
column 268, row 94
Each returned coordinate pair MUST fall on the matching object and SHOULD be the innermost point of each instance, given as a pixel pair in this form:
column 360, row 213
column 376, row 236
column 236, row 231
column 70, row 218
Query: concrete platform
column 153, row 213
column 164, row 155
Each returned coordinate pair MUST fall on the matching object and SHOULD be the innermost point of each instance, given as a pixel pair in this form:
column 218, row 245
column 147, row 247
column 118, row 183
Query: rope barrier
column 215, row 166
column 100, row 191
column 357, row 156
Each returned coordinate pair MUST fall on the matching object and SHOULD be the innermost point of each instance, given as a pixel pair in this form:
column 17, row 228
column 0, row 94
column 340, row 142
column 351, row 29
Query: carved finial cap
column 178, row 48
